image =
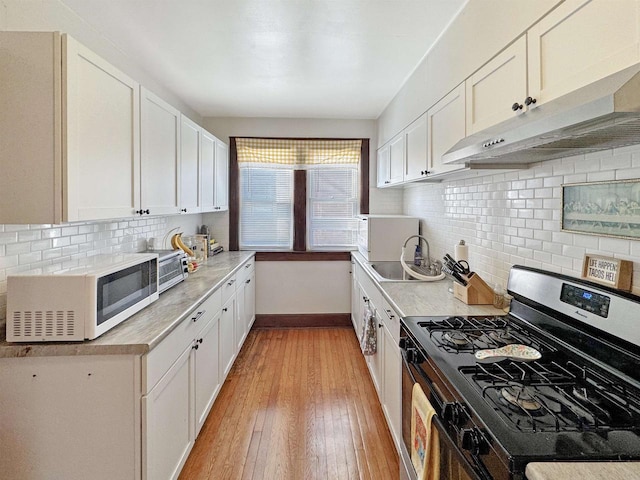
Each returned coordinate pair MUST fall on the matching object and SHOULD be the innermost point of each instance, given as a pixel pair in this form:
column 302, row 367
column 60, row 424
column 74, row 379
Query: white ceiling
column 275, row 58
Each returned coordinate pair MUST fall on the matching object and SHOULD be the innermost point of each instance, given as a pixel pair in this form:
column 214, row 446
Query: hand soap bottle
column 417, row 256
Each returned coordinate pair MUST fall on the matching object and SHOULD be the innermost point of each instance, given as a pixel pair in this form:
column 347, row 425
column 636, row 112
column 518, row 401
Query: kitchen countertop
column 425, row 298
column 144, row 330
column 583, row 470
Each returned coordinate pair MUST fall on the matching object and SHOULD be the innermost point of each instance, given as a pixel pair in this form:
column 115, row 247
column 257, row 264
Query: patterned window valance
column 291, row 153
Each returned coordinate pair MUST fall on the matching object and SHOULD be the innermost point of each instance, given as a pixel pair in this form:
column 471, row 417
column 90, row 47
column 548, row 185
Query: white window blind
column 266, row 180
column 266, row 209
column 332, row 205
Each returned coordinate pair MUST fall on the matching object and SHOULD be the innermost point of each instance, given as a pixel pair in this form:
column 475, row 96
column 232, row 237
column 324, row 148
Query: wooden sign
column 609, row 271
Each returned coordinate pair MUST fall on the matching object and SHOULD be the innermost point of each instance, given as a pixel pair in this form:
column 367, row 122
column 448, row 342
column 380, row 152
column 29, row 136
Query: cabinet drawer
column 246, row 270
column 228, row 289
column 158, row 361
column 391, row 321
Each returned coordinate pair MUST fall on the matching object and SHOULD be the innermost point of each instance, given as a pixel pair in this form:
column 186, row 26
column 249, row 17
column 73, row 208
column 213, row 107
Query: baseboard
column 303, row 320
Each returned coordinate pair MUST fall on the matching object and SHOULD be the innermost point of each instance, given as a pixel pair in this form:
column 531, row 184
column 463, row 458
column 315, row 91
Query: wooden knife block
column 477, row 292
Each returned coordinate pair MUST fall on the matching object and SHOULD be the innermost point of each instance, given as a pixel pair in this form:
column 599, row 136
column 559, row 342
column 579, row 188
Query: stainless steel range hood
column 602, row 115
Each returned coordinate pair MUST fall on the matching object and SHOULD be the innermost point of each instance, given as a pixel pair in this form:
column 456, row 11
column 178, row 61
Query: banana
column 181, row 244
column 174, row 243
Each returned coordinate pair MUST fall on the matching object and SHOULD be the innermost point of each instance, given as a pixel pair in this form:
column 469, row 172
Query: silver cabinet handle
column 198, row 315
column 231, row 282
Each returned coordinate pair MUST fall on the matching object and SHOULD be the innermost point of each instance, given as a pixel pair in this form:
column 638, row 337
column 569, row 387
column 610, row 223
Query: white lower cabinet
column 385, row 364
column 227, row 337
column 167, row 421
column 207, row 372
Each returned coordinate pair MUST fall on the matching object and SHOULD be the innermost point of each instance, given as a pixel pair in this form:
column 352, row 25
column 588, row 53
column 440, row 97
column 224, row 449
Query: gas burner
column 521, row 397
column 502, row 336
column 457, row 338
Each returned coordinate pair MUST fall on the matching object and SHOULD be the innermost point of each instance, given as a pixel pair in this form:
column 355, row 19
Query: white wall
column 53, row 15
column 479, row 32
column 515, row 218
column 303, row 287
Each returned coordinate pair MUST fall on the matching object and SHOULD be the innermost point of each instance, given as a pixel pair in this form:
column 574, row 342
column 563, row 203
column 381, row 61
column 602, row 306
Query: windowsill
column 303, row 256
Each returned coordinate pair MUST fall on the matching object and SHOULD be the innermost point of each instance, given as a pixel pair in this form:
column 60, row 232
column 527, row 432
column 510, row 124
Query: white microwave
column 381, row 237
column 80, row 303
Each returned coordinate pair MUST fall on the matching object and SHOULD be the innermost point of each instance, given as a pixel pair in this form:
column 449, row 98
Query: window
column 297, row 194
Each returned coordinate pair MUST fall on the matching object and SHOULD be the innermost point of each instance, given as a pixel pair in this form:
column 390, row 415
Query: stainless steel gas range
column 580, row 400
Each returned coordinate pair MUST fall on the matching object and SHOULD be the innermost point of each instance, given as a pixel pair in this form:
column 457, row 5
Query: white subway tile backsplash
column 524, row 228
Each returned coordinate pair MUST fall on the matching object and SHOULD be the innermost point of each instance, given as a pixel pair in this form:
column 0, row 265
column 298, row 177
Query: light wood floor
column 298, row 404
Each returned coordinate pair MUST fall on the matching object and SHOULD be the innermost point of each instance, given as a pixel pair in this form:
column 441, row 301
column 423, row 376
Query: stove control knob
column 455, row 412
column 473, row 441
column 414, row 356
column 403, row 343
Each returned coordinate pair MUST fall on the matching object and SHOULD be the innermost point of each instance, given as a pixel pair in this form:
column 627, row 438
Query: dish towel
column 425, row 443
column 369, row 339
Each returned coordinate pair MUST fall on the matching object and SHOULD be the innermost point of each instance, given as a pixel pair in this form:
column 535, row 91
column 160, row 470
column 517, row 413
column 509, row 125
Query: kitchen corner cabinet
column 446, row 126
column 67, row 117
column 497, row 91
column 416, row 165
column 580, row 42
column 190, row 151
column 160, row 160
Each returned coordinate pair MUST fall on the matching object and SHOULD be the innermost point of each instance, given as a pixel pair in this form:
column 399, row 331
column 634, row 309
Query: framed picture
column 602, row 208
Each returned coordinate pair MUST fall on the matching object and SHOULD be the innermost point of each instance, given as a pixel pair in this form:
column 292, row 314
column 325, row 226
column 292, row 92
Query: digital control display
column 585, row 300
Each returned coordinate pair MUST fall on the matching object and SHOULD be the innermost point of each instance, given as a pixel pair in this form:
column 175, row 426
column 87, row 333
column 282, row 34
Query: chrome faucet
column 434, row 268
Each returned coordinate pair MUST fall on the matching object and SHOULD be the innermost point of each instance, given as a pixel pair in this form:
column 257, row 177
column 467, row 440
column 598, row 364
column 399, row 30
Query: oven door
column 453, row 464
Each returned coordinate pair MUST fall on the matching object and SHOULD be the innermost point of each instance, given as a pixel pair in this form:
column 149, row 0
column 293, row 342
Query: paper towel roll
column 462, row 251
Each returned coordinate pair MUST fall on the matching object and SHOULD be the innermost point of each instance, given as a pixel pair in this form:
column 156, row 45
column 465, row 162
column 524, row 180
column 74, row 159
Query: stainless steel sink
column 393, row 272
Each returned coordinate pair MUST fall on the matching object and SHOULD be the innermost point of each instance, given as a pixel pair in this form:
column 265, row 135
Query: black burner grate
column 469, row 334
column 550, row 396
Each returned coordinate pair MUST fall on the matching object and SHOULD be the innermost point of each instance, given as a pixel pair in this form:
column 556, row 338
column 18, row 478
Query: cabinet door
column 160, row 140
column 384, row 164
column 240, row 329
column 416, row 145
column 376, row 360
column 227, row 342
column 396, row 159
column 207, row 171
column 222, row 176
column 250, row 300
column 579, row 42
column 101, row 161
column 495, row 88
column 392, row 386
column 167, row 421
column 446, row 126
column 207, row 373
column 189, row 165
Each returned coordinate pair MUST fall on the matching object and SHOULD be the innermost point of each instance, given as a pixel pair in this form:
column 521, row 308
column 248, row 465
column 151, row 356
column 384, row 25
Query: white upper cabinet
column 384, row 164
column 222, row 176
column 207, row 171
column 579, row 42
column 396, row 159
column 416, row 149
column 69, row 148
column 190, row 133
column 497, row 91
column 160, row 155
column 215, row 174
column 446, row 126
